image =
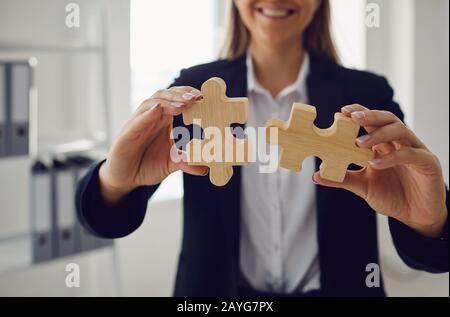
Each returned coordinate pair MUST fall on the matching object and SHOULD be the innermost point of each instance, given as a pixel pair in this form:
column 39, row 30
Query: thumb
column 354, row 182
column 193, row 170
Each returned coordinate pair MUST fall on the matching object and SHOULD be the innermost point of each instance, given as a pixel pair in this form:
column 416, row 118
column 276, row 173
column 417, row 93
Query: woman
column 280, row 233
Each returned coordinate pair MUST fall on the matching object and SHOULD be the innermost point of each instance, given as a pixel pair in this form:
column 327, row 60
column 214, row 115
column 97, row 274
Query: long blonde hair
column 317, row 39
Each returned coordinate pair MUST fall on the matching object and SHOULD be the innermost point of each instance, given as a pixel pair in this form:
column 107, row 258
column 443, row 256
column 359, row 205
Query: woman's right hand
column 141, row 153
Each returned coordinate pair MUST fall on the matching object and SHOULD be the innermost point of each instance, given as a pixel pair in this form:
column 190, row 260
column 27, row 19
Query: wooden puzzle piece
column 335, row 146
column 215, row 113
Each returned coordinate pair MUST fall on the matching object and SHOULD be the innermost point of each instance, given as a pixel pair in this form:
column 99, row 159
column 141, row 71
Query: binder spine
column 64, row 211
column 56, row 229
column 20, row 79
column 41, row 217
column 15, row 90
column 3, row 115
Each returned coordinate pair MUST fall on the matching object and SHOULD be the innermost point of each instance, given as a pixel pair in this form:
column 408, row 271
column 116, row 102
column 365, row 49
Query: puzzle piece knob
column 220, row 176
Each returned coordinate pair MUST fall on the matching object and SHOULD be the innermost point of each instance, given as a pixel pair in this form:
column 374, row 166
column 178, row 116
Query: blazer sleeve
column 417, row 251
column 105, row 220
column 118, row 220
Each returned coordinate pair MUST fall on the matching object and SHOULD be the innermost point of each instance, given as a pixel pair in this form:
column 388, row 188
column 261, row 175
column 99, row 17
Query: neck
column 281, row 63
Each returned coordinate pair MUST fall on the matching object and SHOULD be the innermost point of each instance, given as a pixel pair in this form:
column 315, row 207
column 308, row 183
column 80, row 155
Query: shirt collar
column 298, row 86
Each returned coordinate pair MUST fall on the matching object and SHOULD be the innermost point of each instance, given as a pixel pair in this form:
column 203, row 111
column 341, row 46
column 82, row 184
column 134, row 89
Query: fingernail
column 375, row 161
column 177, row 104
column 358, row 114
column 196, row 92
column 363, row 138
column 347, row 109
column 206, row 172
column 188, row 96
column 313, row 180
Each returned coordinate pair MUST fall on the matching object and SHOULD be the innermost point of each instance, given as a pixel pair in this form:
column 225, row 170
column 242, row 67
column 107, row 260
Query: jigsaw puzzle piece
column 299, row 138
column 216, row 109
column 342, row 135
column 299, row 129
column 334, row 171
column 219, row 150
column 220, row 155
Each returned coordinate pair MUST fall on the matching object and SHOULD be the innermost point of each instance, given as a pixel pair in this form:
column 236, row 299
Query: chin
column 278, row 38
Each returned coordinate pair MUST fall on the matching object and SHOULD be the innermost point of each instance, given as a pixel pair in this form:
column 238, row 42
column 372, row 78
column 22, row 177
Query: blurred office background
column 85, row 81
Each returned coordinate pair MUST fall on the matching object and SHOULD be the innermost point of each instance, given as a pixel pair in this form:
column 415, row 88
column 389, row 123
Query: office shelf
column 74, row 146
column 56, row 49
column 16, row 251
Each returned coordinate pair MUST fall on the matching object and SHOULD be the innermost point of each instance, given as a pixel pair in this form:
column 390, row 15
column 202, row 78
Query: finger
column 174, row 108
column 171, row 108
column 193, row 170
column 396, row 131
column 353, row 182
column 364, row 116
column 374, row 118
column 348, row 109
column 181, row 96
column 384, row 148
column 421, row 158
column 187, row 89
column 178, row 94
column 351, row 110
column 139, row 125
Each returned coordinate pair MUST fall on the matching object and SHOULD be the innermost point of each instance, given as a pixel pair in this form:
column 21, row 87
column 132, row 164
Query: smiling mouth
column 275, row 13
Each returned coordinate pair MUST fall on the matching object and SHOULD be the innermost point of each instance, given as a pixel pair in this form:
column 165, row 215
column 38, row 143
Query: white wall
column 431, row 77
column 410, row 48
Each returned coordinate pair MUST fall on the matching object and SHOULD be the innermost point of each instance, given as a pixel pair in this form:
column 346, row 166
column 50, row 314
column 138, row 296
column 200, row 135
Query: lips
column 275, row 13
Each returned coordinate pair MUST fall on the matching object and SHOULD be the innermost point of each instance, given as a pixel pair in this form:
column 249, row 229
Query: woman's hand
column 405, row 179
column 141, row 153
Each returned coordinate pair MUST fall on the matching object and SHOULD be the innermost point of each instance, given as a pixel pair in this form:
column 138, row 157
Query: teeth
column 274, row 13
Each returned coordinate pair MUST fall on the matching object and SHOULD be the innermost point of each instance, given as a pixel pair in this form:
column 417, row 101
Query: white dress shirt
column 278, row 247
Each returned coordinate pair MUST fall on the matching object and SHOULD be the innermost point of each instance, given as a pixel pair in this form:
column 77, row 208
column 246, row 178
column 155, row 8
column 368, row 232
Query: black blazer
column 346, row 225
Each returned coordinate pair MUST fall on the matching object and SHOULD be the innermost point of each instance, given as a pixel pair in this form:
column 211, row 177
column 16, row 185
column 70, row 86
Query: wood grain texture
column 215, row 113
column 335, row 146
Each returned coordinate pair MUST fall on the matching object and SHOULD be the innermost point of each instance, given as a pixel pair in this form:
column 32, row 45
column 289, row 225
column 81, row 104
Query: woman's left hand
column 405, row 179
